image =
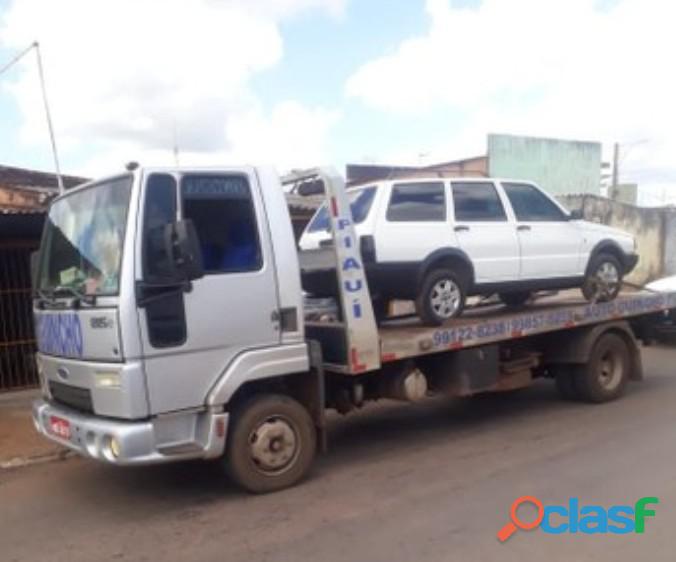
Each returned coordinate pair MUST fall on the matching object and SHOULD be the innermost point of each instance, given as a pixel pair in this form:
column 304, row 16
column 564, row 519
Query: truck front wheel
column 271, row 443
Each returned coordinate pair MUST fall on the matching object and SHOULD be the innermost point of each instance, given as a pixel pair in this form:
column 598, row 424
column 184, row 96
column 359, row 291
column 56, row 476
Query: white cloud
column 539, row 67
column 121, row 74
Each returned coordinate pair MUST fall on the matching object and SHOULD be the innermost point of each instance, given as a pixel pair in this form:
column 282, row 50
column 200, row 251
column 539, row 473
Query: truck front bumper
column 167, row 438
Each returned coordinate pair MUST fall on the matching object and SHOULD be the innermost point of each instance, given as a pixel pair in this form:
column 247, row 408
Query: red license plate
column 59, row 427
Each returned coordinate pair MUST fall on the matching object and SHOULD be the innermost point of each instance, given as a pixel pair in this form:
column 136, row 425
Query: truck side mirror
column 183, row 247
column 576, row 215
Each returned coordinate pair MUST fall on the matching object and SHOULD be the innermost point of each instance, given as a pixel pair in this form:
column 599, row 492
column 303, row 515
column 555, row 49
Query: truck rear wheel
column 271, row 443
column 604, row 377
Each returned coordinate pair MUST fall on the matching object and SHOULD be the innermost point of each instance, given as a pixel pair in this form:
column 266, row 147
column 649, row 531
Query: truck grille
column 76, row 398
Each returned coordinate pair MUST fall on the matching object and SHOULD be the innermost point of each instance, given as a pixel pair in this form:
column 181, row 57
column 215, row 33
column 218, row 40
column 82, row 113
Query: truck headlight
column 108, row 379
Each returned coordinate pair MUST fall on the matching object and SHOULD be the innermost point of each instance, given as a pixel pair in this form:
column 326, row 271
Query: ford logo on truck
column 60, row 334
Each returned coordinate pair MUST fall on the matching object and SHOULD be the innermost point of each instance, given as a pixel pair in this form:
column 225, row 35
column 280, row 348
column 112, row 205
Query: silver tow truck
column 171, row 325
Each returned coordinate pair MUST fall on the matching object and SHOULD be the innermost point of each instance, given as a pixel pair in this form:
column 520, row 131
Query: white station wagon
column 437, row 241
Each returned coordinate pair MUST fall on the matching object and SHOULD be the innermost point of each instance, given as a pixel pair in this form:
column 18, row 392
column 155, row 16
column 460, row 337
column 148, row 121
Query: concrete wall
column 654, row 229
column 558, row 166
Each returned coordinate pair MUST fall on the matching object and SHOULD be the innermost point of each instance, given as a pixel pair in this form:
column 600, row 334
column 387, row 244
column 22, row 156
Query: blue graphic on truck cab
column 60, row 334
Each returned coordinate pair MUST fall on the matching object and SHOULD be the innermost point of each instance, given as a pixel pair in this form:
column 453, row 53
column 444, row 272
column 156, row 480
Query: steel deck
column 401, row 339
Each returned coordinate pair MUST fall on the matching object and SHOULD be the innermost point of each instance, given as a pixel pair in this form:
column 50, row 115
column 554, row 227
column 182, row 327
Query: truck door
column 190, row 336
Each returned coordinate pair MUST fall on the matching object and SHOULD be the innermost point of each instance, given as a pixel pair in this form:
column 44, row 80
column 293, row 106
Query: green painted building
column 558, row 166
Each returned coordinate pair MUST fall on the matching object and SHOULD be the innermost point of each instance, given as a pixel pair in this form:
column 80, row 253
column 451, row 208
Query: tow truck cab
column 158, row 293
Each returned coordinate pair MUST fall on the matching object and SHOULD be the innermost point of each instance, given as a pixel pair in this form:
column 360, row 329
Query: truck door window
column 222, row 210
column 420, row 201
column 530, row 204
column 477, row 201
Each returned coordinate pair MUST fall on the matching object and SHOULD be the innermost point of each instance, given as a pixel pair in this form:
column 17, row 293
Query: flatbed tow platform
column 401, row 339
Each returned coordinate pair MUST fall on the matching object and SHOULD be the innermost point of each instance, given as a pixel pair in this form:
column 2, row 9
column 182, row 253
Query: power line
column 35, row 45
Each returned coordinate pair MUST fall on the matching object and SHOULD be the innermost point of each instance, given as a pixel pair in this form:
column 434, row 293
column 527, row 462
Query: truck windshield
column 82, row 243
column 360, row 204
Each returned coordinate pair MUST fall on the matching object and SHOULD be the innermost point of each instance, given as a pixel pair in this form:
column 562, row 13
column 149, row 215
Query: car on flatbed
column 437, row 241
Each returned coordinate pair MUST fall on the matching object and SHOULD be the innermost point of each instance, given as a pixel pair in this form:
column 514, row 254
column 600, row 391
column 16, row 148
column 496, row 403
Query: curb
column 20, row 462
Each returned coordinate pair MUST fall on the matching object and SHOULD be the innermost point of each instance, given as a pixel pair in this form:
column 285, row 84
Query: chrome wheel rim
column 610, row 370
column 445, row 298
column 274, row 445
column 606, row 280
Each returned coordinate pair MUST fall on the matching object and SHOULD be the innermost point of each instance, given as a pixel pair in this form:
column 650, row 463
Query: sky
column 298, row 83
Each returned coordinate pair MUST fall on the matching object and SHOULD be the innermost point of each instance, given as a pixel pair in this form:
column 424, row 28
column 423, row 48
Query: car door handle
column 461, row 228
column 523, row 227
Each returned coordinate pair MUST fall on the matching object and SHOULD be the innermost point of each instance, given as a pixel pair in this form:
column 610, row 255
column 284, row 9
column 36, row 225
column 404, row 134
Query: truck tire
column 604, row 377
column 603, row 280
column 271, row 443
column 441, row 297
column 517, row 298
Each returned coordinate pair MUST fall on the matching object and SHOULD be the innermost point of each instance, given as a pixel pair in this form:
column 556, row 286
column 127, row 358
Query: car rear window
column 418, row 201
column 360, row 205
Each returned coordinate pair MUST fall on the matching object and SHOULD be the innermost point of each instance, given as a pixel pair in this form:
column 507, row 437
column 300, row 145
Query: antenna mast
column 35, row 45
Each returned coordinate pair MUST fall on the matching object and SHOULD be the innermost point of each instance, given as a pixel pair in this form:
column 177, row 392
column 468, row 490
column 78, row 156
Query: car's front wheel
column 604, row 278
column 441, row 297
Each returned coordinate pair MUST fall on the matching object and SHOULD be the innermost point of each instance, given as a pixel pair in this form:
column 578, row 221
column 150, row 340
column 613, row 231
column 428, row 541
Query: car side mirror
column 183, row 247
column 576, row 215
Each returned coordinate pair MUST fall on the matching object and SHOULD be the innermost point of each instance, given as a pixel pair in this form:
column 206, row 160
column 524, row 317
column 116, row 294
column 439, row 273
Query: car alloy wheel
column 606, row 281
column 445, row 298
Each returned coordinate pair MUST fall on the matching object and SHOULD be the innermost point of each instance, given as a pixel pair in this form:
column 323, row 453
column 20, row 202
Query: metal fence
column 17, row 338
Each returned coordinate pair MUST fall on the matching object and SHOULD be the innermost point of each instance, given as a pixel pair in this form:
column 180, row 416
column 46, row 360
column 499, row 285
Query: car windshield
column 360, row 204
column 82, row 243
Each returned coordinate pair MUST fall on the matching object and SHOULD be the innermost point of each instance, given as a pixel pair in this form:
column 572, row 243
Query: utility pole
column 616, row 171
column 35, row 45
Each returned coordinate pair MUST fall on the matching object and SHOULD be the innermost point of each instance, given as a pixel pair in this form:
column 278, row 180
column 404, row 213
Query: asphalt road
column 413, row 483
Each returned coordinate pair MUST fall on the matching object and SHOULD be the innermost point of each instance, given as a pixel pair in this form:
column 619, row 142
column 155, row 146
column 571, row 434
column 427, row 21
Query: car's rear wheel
column 441, row 297
column 604, row 278
column 517, row 298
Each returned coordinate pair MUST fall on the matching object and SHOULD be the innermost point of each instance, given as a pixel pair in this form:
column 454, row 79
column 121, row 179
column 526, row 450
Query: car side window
column 417, row 201
column 222, row 210
column 477, row 201
column 530, row 204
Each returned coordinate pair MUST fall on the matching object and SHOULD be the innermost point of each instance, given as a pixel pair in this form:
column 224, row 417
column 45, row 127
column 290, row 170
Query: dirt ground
column 420, row 483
